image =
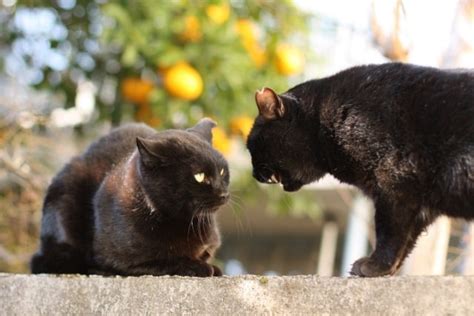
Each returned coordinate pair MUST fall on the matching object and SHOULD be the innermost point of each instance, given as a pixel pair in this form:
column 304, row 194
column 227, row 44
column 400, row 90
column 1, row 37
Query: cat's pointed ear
column 269, row 104
column 204, row 129
column 145, row 148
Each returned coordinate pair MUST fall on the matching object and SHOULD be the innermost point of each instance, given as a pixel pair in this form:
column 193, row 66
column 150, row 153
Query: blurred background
column 70, row 70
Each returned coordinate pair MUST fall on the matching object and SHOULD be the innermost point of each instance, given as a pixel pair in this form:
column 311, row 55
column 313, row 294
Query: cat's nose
column 259, row 176
column 224, row 196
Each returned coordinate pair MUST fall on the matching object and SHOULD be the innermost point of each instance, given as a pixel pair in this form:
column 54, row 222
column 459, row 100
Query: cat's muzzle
column 292, row 186
column 224, row 197
column 267, row 176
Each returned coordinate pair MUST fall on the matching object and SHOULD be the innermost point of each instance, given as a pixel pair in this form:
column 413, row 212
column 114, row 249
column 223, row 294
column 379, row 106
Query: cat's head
column 181, row 173
column 282, row 142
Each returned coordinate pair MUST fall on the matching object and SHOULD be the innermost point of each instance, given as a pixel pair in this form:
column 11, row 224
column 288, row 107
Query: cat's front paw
column 368, row 267
column 197, row 269
column 205, row 270
column 217, row 271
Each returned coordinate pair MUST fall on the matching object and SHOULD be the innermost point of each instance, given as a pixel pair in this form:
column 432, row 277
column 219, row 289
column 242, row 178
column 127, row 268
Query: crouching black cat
column 401, row 133
column 136, row 202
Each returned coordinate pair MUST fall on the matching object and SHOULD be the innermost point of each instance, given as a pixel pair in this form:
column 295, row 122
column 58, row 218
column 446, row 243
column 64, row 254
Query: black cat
column 401, row 133
column 136, row 202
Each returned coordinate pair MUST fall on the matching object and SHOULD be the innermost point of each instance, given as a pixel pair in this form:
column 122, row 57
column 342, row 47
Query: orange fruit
column 153, row 121
column 136, row 90
column 289, row 60
column 220, row 141
column 247, row 31
column 257, row 54
column 161, row 69
column 144, row 113
column 218, row 13
column 192, row 29
column 183, row 81
column 241, row 125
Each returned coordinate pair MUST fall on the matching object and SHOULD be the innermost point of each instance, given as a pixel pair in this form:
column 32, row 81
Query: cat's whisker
column 236, row 205
column 190, row 226
column 200, row 227
column 203, row 227
column 234, row 196
column 209, row 219
column 240, row 227
column 195, row 212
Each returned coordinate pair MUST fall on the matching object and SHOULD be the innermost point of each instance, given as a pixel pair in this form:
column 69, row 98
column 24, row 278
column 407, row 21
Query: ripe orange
column 144, row 113
column 192, row 29
column 136, row 90
column 241, row 125
column 183, row 81
column 220, row 141
column 257, row 54
column 288, row 60
column 218, row 13
column 247, row 32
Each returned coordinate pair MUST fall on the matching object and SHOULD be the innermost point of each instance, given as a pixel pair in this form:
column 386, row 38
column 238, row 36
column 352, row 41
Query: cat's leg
column 217, row 271
column 65, row 225
column 423, row 219
column 179, row 266
column 58, row 258
column 206, row 255
column 396, row 234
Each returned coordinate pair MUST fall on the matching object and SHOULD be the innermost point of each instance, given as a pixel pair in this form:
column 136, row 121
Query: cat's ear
column 204, row 129
column 269, row 104
column 147, row 151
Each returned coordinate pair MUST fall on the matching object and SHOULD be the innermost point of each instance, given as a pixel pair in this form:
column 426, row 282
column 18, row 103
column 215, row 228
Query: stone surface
column 243, row 295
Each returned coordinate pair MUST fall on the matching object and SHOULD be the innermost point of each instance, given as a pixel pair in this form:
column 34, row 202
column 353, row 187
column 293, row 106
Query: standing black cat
column 136, row 202
column 401, row 133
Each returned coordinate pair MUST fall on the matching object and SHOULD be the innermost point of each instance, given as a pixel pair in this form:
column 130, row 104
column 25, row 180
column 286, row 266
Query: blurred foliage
column 167, row 63
column 30, row 153
column 23, row 176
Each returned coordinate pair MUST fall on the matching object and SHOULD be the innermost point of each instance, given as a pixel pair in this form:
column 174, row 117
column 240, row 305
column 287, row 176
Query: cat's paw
column 196, row 269
column 368, row 267
column 217, row 271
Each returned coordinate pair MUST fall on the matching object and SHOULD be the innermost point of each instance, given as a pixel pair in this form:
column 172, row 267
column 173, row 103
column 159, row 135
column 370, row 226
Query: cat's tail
column 58, row 258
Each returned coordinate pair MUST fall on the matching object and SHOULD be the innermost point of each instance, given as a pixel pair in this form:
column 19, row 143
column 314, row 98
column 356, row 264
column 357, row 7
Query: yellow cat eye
column 222, row 172
column 199, row 177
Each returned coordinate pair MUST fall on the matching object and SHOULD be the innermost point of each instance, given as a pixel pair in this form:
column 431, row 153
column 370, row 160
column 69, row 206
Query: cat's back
column 111, row 149
column 81, row 177
column 72, row 190
column 398, row 79
column 429, row 103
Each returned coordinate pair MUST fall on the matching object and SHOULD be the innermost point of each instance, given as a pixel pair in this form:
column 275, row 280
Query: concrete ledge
column 244, row 295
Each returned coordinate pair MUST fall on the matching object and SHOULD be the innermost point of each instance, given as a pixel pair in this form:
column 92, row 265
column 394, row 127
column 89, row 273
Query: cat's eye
column 222, row 172
column 199, row 177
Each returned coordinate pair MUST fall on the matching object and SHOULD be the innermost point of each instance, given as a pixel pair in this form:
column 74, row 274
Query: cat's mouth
column 274, row 178
column 292, row 186
column 288, row 185
column 212, row 205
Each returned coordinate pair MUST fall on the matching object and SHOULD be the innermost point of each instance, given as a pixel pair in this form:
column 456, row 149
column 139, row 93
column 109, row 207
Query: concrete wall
column 244, row 295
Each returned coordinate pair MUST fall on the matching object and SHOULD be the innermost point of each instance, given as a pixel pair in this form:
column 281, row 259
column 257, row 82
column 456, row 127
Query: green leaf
column 171, row 57
column 129, row 56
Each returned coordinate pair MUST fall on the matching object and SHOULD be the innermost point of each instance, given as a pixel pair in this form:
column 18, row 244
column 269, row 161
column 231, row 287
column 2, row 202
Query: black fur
column 130, row 205
column 401, row 133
